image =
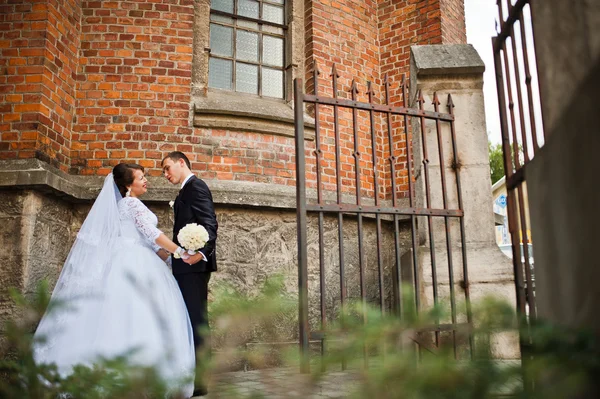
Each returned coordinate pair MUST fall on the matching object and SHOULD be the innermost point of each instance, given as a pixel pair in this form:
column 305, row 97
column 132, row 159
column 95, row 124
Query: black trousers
column 194, row 288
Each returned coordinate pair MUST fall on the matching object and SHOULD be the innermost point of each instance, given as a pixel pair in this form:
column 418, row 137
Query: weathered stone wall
column 255, row 244
column 38, row 229
column 36, row 233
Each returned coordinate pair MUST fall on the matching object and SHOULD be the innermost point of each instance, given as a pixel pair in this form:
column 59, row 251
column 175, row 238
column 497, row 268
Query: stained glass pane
column 272, row 83
column 273, row 13
column 219, row 73
column 246, row 78
column 248, row 8
column 246, row 46
column 273, row 50
column 222, row 5
column 221, row 40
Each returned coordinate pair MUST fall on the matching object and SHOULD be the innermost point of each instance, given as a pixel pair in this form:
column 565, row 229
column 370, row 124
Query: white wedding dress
column 129, row 300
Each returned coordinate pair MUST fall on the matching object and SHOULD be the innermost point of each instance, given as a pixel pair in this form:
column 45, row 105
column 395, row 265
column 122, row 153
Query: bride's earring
column 128, row 192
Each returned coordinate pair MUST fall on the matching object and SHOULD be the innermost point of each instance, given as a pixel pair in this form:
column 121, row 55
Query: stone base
column 490, row 275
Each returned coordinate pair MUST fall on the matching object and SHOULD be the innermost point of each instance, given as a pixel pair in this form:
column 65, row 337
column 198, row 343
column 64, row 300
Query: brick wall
column 39, row 41
column 344, row 33
column 403, row 24
column 133, row 86
column 368, row 41
column 89, row 84
column 134, row 99
column 454, row 30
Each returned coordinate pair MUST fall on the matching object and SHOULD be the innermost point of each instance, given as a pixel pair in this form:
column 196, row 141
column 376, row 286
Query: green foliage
column 239, row 319
column 560, row 361
column 21, row 377
column 496, row 161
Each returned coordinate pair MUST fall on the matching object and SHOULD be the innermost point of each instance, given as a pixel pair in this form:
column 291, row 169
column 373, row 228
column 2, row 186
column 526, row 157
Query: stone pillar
column 458, row 70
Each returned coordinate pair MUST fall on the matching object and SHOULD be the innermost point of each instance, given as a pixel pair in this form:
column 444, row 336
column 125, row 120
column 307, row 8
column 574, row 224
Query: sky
column 480, row 19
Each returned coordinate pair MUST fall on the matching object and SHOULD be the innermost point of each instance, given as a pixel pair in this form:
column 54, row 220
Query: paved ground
column 281, row 383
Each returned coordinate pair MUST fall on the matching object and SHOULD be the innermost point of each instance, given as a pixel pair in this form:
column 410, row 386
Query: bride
column 119, row 294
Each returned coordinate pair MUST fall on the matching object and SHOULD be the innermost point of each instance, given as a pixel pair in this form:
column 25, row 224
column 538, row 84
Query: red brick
column 128, row 94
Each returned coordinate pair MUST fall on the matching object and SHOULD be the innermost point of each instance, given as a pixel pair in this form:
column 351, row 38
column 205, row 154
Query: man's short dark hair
column 176, row 156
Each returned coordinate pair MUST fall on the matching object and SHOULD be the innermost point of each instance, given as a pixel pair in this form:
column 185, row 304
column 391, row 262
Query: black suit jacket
column 194, row 204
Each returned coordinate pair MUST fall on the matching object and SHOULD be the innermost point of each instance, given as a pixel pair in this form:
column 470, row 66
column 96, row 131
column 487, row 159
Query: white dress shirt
column 186, row 179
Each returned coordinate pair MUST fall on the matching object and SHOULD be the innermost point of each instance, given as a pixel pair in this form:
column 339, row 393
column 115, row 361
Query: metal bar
column 429, row 221
column 519, row 96
column 463, row 242
column 536, row 145
column 512, row 209
column 392, row 160
column 244, row 18
column 438, row 129
column 318, row 154
column 529, row 288
column 411, row 193
column 515, row 179
column 518, row 267
column 540, row 98
column 370, row 93
column 361, row 257
column 316, row 335
column 351, row 208
column 356, row 155
column 373, row 145
column 376, row 194
column 338, row 169
column 376, row 107
column 514, row 230
column 516, row 13
column 511, row 110
column 376, row 188
column 301, row 225
column 505, row 26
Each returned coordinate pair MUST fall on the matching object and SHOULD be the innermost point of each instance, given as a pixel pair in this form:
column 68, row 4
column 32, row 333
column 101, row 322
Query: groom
column 194, row 204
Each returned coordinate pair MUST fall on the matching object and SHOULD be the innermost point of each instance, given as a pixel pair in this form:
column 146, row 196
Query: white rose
column 171, row 203
column 193, row 237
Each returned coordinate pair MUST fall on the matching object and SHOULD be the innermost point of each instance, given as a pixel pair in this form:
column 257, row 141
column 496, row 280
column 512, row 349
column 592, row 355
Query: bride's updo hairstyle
column 123, row 175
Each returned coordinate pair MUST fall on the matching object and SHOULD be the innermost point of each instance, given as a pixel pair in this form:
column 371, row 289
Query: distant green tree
column 496, row 161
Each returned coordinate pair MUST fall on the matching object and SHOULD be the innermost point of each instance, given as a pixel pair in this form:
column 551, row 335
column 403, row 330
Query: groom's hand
column 194, row 258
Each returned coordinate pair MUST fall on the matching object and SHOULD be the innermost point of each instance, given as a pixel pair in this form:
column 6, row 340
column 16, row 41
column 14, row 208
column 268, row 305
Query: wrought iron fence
column 522, row 137
column 522, row 134
column 379, row 155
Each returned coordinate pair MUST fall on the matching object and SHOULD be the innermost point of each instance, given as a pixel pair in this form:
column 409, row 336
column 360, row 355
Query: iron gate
column 522, row 137
column 384, row 134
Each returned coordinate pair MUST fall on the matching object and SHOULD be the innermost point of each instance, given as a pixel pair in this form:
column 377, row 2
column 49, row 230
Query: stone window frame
column 221, row 109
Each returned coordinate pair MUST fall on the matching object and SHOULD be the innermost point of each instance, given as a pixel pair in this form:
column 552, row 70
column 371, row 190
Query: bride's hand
column 164, row 255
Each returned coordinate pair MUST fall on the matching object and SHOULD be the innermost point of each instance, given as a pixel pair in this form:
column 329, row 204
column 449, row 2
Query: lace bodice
column 138, row 223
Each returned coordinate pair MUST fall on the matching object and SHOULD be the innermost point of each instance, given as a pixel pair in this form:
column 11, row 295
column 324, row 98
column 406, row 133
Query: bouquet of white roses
column 192, row 237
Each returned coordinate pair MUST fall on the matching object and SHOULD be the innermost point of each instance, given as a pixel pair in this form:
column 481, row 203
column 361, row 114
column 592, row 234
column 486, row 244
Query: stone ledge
column 36, row 174
column 448, row 59
column 221, row 110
